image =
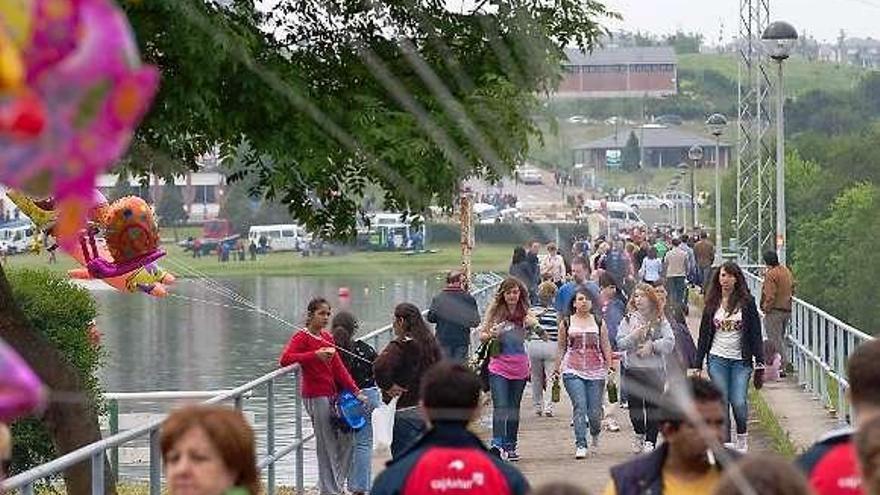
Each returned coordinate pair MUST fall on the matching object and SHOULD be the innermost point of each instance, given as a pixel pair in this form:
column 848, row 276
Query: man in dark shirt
column 454, row 312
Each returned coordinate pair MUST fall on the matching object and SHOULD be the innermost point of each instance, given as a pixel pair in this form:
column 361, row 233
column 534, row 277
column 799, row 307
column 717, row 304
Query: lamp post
column 695, row 154
column 779, row 38
column 716, row 124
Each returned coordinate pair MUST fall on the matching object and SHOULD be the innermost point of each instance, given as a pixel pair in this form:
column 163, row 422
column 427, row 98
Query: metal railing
column 95, row 453
column 820, row 345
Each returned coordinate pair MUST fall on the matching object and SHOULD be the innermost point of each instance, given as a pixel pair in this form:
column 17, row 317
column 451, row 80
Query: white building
column 202, row 191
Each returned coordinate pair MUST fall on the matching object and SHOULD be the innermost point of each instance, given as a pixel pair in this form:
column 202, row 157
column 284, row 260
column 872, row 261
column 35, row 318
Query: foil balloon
column 134, row 238
column 20, row 390
column 72, row 90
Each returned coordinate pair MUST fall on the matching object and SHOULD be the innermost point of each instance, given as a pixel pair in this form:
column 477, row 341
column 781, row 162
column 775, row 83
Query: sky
column 821, row 19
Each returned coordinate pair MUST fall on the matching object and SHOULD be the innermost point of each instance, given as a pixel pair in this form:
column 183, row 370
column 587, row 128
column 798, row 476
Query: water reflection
column 184, row 344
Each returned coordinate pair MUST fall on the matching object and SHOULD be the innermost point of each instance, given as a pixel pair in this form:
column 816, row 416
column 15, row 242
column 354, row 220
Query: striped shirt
column 547, row 320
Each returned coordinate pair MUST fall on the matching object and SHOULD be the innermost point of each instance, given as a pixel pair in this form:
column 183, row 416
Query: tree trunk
column 71, row 423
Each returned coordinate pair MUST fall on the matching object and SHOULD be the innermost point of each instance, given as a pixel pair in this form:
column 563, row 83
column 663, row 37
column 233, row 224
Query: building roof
column 651, row 137
column 622, row 56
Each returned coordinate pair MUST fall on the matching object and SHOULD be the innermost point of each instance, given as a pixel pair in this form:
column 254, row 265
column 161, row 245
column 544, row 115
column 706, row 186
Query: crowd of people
column 608, row 324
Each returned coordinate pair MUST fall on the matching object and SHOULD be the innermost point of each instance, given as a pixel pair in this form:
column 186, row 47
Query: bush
column 62, row 313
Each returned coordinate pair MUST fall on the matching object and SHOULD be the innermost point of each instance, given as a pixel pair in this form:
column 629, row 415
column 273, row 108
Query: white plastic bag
column 383, row 425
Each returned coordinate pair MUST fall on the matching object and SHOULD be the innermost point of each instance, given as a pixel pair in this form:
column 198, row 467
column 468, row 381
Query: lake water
column 199, row 339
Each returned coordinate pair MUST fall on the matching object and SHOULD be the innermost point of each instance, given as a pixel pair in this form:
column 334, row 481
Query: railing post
column 814, row 348
column 155, row 463
column 113, row 408
column 841, row 391
column 298, row 412
column 270, row 435
column 801, row 332
column 98, row 473
column 823, row 358
column 239, row 402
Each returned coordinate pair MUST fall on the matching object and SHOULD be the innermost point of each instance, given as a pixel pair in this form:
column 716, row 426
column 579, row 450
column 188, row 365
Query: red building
column 619, row 72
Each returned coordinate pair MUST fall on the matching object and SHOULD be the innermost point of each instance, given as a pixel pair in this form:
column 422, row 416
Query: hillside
column 801, row 75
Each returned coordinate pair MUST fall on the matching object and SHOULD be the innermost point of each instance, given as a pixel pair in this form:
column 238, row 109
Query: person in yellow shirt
column 691, row 459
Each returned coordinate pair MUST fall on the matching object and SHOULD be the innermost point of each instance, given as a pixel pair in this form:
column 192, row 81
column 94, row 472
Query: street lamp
column 695, row 154
column 716, row 124
column 779, row 38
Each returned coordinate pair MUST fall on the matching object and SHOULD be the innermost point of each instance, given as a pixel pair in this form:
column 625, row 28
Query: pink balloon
column 20, row 390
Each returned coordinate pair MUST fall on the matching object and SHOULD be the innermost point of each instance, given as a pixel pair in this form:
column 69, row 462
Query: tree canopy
column 336, row 95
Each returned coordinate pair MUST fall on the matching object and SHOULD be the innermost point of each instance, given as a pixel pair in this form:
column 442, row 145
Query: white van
column 281, row 237
column 621, row 215
column 17, row 236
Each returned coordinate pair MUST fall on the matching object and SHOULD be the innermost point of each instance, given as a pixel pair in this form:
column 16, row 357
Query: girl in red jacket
column 324, row 376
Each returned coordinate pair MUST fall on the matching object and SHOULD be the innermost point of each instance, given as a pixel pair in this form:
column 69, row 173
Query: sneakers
column 513, row 456
column 539, row 411
column 499, row 453
column 611, row 425
column 638, row 444
column 580, row 453
column 548, row 410
column 648, row 448
column 742, row 442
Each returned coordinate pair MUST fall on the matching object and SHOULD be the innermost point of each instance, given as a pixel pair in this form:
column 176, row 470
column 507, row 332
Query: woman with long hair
column 652, row 268
column 399, row 369
column 520, row 267
column 730, row 341
column 509, row 369
column 584, row 358
column 358, row 358
column 647, row 338
column 685, row 355
column 324, row 377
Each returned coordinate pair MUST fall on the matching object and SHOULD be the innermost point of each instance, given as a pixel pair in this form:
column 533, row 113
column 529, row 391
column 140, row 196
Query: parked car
column 677, row 198
column 646, row 201
column 669, row 119
column 529, row 176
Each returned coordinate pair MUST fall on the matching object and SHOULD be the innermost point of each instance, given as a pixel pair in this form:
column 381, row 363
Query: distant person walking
column 651, row 272
column 776, row 295
column 553, row 266
column 323, row 374
column 541, row 349
column 730, row 341
column 676, row 268
column 454, row 312
column 399, row 370
column 704, row 252
column 504, row 327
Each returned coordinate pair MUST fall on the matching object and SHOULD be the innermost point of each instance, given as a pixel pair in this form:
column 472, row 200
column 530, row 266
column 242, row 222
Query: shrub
column 63, row 313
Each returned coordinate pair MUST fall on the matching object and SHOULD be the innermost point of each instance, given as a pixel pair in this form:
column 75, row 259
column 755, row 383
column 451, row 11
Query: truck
column 214, row 233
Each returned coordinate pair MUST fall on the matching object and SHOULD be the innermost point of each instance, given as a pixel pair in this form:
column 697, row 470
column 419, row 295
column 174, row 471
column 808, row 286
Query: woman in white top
column 730, row 335
column 584, row 358
column 652, row 268
column 553, row 265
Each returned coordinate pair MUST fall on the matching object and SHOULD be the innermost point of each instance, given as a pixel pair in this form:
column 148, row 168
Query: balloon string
column 219, row 288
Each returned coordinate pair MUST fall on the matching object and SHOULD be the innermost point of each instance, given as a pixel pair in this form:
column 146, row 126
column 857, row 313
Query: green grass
column 768, row 423
column 490, row 257
column 801, row 75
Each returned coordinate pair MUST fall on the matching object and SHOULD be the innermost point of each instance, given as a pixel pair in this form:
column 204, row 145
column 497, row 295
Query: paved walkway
column 547, row 444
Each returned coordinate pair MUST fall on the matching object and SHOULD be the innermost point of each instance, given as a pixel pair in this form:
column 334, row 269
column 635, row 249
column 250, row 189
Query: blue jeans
column 506, row 398
column 677, row 288
column 731, row 376
column 360, row 474
column 586, row 400
column 455, row 352
column 408, row 427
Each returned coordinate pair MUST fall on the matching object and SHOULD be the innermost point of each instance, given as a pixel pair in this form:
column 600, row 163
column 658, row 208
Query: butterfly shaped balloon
column 72, row 90
column 124, row 257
